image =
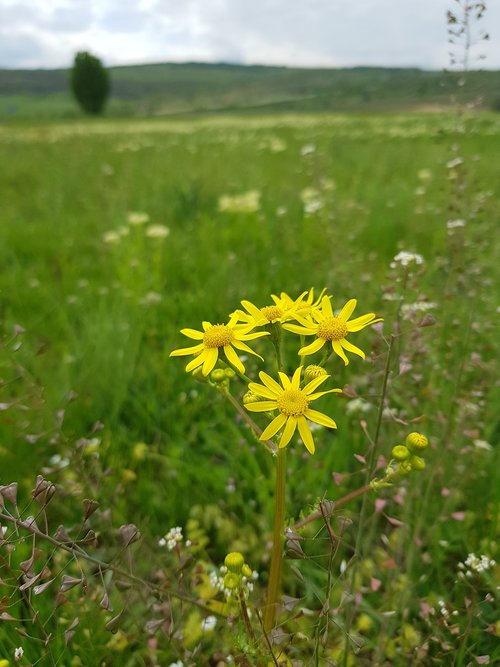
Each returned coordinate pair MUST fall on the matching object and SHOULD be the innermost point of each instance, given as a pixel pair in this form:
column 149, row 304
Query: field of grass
column 91, row 304
column 168, row 88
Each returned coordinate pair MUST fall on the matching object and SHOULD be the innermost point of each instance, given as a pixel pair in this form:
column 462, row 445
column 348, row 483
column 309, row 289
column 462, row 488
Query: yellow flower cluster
column 306, row 315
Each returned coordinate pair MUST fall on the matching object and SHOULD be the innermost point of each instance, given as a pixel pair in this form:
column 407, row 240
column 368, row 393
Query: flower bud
column 231, row 581
column 234, row 562
column 417, row 463
column 218, row 375
column 416, row 441
column 246, row 571
column 312, row 372
column 405, row 467
column 198, row 374
column 250, row 397
column 229, row 373
column 400, row 453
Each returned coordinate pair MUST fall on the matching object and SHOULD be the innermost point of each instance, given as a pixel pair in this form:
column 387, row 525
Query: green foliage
column 91, row 304
column 90, row 83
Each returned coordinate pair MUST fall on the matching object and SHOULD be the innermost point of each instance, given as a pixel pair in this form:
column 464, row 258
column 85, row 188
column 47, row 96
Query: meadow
column 114, row 235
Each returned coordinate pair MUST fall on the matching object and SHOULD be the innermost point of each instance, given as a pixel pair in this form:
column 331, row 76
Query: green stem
column 278, row 542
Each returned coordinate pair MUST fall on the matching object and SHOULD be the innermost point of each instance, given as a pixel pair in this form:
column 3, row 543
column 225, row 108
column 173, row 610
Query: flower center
column 218, row 335
column 271, row 313
column 333, row 328
column 292, row 402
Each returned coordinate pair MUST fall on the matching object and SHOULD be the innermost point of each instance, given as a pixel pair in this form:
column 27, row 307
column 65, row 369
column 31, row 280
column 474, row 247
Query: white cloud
column 47, row 33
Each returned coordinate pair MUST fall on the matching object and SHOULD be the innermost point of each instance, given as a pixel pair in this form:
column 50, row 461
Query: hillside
column 166, row 88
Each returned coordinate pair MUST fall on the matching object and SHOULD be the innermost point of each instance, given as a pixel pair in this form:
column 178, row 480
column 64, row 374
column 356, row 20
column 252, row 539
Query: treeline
column 164, row 88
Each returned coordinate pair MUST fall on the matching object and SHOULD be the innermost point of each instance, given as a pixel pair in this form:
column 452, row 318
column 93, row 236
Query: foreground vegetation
column 116, row 235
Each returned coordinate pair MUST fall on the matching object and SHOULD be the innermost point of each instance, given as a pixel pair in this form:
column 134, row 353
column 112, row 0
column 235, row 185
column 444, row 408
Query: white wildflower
column 208, row 624
column 171, row 539
column 111, row 237
column 307, row 149
column 18, row 653
column 157, row 231
column 406, row 258
column 482, row 444
column 453, row 224
column 137, row 218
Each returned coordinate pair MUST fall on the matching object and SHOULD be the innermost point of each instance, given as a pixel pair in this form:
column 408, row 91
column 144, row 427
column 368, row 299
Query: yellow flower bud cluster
column 218, row 378
column 238, row 577
column 407, row 455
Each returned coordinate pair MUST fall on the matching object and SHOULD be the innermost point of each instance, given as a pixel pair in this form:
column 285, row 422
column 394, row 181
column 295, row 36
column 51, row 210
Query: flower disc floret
column 292, row 403
column 218, row 335
column 272, row 313
column 333, row 328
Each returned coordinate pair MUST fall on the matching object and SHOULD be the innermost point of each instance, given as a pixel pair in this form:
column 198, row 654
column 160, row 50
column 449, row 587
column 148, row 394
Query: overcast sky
column 331, row 33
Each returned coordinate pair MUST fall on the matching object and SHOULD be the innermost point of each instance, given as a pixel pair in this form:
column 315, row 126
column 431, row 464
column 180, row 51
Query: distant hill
column 166, row 88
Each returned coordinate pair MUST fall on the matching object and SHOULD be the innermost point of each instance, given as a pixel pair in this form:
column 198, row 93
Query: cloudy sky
column 337, row 33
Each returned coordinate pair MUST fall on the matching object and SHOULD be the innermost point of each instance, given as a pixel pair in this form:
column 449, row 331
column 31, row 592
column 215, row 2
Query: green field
column 164, row 89
column 91, row 306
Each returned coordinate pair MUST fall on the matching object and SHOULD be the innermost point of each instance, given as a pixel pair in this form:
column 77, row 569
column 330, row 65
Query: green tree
column 90, row 82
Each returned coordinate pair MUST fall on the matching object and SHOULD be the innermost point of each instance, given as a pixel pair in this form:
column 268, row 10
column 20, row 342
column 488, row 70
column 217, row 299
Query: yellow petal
column 211, row 357
column 326, row 306
column 302, row 331
column 314, row 384
column 270, row 383
column 192, row 333
column 285, row 381
column 251, row 336
column 194, row 363
column 337, row 348
column 187, row 350
column 362, row 322
column 288, row 431
column 320, row 418
column 261, row 406
column 313, row 397
column 206, row 326
column 273, row 427
column 348, row 310
column 244, row 348
column 306, row 434
column 352, row 348
column 233, row 358
column 296, row 378
column 260, row 390
column 313, row 347
column 252, row 309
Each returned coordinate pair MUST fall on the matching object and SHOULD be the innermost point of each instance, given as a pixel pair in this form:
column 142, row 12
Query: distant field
column 165, row 89
column 91, row 304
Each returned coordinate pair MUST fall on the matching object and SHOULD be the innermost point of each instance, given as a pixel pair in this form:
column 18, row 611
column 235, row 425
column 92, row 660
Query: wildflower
column 208, row 624
column 137, row 218
column 476, row 564
column 248, row 202
column 217, row 337
column 280, row 311
column 416, row 441
column 111, row 237
column 406, row 258
column 172, row 538
column 332, row 328
column 453, row 224
column 292, row 402
column 157, row 231
column 18, row 653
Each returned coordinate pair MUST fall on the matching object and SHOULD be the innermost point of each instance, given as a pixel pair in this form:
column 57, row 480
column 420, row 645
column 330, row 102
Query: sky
column 302, row 33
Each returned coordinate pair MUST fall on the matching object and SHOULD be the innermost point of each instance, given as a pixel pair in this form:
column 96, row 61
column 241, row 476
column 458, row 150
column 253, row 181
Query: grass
column 99, row 319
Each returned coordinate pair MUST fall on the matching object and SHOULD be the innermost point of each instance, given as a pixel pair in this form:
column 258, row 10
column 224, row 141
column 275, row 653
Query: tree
column 90, row 82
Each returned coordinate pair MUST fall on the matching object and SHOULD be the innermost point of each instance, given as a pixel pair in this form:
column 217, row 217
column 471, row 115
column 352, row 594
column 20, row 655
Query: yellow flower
column 293, row 405
column 281, row 310
column 216, row 338
column 332, row 328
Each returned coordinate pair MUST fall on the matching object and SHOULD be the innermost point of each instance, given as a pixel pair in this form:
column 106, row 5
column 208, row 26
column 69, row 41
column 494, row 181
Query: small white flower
column 208, row 624
column 157, row 231
column 137, row 218
column 456, row 162
column 18, row 653
column 406, row 258
column 307, row 149
column 453, row 224
column 111, row 237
